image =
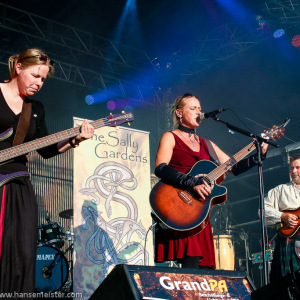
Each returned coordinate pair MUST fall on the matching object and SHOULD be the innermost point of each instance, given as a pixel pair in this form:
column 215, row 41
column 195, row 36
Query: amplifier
column 131, row 282
column 285, row 288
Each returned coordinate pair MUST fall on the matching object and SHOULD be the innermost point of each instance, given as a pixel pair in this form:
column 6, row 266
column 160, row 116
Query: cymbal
column 66, row 214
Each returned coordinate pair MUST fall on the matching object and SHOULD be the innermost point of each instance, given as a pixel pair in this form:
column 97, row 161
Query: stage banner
column 111, row 205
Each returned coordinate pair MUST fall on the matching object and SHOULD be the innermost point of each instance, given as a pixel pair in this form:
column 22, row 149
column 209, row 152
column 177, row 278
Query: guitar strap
column 212, row 151
column 23, row 123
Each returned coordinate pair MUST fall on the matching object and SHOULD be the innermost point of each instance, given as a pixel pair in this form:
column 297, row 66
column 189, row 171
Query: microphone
column 47, row 272
column 211, row 114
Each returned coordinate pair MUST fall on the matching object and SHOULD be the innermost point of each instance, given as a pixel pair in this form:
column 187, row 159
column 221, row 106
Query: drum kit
column 53, row 269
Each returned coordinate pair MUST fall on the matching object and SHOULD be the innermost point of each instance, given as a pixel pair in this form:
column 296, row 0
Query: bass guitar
column 8, row 154
column 287, row 231
column 183, row 210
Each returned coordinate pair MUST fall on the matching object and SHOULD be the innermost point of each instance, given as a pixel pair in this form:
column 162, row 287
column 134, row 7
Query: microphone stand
column 258, row 140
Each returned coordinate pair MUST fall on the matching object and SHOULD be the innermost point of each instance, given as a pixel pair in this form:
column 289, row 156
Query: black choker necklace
column 185, row 129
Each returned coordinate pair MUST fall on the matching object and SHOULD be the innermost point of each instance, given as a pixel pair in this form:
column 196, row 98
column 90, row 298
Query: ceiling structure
column 86, row 58
column 81, row 57
column 173, row 47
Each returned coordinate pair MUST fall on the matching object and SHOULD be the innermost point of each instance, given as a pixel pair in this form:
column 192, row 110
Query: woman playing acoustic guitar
column 178, row 151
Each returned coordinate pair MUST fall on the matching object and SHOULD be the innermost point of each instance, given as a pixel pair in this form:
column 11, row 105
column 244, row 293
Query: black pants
column 192, row 262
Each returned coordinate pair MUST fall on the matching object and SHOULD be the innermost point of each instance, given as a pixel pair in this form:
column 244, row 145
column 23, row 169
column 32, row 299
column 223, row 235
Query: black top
column 37, row 128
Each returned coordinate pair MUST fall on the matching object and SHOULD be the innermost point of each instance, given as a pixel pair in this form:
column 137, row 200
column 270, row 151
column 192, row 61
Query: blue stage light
column 89, row 99
column 278, row 33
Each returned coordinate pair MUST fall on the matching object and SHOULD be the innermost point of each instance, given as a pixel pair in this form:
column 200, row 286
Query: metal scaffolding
column 230, row 39
column 216, row 46
column 285, row 11
column 81, row 58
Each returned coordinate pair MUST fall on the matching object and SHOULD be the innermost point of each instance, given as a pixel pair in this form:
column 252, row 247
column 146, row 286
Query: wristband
column 71, row 143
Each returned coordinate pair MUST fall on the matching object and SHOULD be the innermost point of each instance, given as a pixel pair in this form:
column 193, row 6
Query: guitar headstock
column 276, row 131
column 118, row 119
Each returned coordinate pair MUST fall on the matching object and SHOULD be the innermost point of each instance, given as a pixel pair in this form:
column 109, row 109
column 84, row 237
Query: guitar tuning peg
column 129, row 124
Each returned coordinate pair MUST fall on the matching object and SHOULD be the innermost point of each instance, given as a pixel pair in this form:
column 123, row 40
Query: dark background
column 222, row 51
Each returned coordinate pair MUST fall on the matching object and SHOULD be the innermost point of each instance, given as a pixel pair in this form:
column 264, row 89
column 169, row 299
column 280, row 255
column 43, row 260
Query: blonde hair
column 179, row 103
column 27, row 58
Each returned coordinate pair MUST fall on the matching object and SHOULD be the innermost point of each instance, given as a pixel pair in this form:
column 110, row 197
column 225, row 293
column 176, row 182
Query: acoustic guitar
column 287, row 231
column 8, row 154
column 183, row 210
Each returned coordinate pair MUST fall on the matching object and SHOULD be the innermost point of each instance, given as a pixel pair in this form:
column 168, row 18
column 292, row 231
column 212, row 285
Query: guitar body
column 287, row 231
column 185, row 211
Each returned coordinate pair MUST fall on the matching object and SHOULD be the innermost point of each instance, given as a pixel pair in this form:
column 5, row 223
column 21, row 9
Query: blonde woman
column 19, row 211
column 177, row 153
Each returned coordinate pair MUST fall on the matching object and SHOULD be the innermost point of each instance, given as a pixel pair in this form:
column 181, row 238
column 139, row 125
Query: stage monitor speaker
column 286, row 288
column 131, row 282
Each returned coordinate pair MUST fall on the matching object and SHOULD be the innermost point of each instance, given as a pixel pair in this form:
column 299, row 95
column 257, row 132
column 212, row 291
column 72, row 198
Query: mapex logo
column 45, row 257
column 205, row 285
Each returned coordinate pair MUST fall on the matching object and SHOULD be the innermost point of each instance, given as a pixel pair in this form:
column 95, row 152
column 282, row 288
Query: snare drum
column 51, row 233
column 52, row 269
column 224, row 252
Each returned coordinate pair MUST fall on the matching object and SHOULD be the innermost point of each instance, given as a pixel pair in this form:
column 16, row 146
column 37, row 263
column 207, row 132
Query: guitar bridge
column 184, row 196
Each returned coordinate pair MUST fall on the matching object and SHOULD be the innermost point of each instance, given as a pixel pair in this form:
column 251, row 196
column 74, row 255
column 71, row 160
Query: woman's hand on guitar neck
column 86, row 132
column 289, row 219
column 204, row 190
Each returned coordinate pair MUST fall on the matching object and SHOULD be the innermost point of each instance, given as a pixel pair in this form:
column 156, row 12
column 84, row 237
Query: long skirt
column 19, row 239
column 170, row 248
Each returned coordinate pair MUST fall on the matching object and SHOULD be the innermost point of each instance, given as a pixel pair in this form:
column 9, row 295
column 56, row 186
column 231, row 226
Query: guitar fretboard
column 219, row 171
column 25, row 148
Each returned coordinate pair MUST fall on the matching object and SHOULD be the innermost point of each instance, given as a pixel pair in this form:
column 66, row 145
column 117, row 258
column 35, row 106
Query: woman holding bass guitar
column 18, row 210
column 177, row 153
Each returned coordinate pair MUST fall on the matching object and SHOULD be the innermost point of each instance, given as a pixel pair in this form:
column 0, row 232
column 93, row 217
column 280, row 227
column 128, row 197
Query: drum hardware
column 69, row 236
column 52, row 270
column 257, row 257
column 51, row 233
column 66, row 214
column 47, row 271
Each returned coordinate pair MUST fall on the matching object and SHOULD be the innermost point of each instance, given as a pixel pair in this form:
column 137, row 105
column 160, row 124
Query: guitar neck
column 25, row 148
column 222, row 169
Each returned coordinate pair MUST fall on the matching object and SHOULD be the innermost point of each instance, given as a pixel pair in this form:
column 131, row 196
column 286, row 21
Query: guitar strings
column 47, row 140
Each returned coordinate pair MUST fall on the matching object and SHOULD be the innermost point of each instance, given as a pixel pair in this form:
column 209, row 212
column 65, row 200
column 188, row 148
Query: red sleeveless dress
column 167, row 246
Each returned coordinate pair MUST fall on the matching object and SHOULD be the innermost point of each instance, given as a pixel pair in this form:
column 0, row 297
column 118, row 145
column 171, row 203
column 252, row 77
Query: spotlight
column 89, row 99
column 111, row 105
column 296, row 41
column 261, row 22
column 278, row 33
